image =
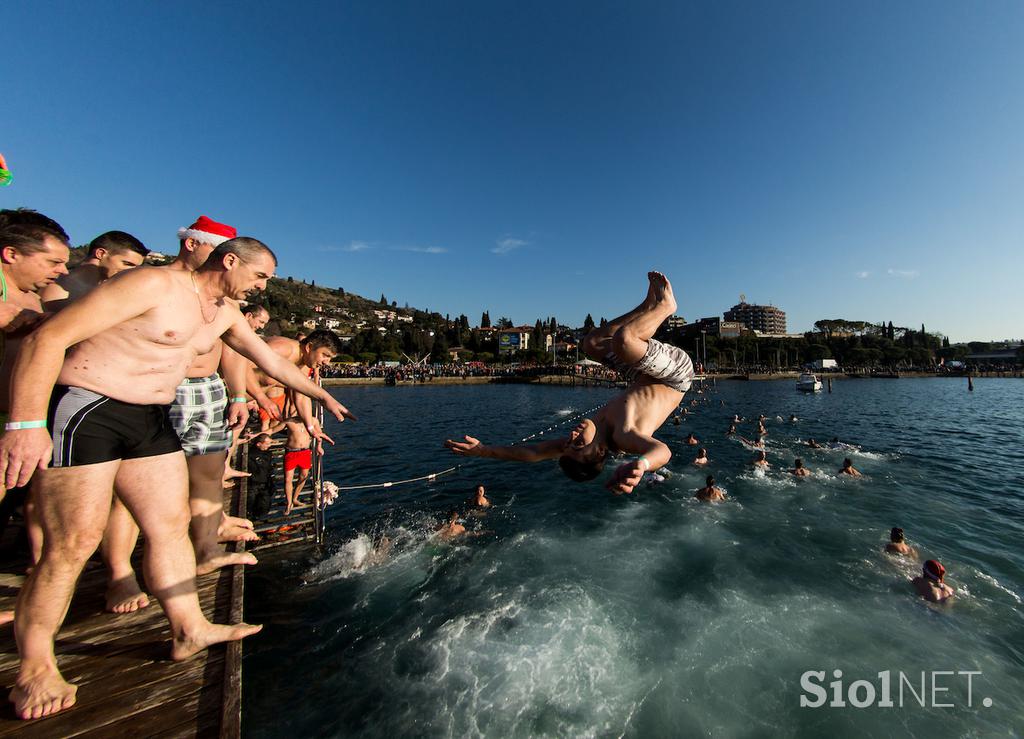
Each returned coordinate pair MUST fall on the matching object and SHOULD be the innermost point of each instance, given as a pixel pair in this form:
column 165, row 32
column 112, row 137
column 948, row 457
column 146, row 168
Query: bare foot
column 125, row 596
column 227, row 520
column 662, row 290
column 188, row 645
column 6, row 617
column 42, row 694
column 205, row 566
column 236, row 533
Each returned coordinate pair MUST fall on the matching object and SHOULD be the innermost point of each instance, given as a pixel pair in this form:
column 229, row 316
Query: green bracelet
column 16, row 425
column 239, row 399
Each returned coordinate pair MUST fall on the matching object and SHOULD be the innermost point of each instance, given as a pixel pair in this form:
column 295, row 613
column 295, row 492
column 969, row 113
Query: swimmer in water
column 737, row 418
column 898, row 545
column 760, row 461
column 702, row 457
column 709, row 493
column 849, row 469
column 798, row 468
column 480, row 497
column 793, row 418
column 761, row 430
column 813, row 444
column 931, row 583
column 692, row 440
column 732, row 429
column 452, row 528
column 759, row 444
column 675, row 420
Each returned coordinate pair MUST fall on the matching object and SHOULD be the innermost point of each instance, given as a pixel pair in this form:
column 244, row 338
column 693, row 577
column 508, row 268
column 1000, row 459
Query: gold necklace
column 202, row 311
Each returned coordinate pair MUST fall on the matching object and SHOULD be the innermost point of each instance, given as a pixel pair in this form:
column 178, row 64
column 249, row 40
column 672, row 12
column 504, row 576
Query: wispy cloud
column 422, row 249
column 863, row 275
column 507, row 245
column 906, row 274
column 352, row 246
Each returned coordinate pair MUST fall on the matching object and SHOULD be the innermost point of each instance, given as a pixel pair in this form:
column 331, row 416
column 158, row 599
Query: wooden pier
column 127, row 683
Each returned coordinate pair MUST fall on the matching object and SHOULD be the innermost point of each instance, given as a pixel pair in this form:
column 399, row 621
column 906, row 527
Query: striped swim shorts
column 89, row 428
column 668, row 365
column 199, row 415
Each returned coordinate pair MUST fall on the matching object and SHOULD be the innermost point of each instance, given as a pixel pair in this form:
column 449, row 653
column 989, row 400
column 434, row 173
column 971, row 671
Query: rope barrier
column 431, row 476
column 561, row 423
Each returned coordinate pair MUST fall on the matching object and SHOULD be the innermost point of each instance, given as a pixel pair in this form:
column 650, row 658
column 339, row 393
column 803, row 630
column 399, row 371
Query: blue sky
column 839, row 160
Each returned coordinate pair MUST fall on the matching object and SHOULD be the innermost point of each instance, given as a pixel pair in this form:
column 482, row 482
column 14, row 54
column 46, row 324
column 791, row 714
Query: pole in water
column 970, row 383
column 830, row 384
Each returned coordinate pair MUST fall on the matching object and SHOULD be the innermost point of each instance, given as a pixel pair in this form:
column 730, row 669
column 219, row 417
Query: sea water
column 574, row 612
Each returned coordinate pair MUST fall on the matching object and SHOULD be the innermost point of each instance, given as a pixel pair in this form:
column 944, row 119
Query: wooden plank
column 231, row 700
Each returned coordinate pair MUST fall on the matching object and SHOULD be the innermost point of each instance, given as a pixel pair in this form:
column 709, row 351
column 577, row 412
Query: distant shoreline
column 563, row 380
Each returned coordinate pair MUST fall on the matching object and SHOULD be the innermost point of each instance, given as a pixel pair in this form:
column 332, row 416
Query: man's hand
column 270, row 408
column 337, row 410
column 238, row 415
column 469, row 448
column 22, row 452
column 317, row 432
column 8, row 313
column 626, row 477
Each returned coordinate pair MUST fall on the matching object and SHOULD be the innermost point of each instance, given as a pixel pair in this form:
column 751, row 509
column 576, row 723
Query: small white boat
column 808, row 383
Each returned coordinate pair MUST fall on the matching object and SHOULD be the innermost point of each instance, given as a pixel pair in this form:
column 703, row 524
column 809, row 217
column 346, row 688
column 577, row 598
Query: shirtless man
column 297, row 456
column 798, row 469
column 849, row 469
column 898, row 545
column 813, row 444
column 309, row 354
column 452, row 527
column 116, row 358
column 709, row 493
column 33, row 254
column 692, row 440
column 109, row 253
column 931, row 584
column 702, row 457
column 658, row 376
column 760, row 461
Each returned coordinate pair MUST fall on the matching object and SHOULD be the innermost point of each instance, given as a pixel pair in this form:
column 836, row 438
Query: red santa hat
column 208, row 231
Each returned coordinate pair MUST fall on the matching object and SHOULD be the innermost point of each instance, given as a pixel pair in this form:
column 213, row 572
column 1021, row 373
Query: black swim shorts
column 89, row 428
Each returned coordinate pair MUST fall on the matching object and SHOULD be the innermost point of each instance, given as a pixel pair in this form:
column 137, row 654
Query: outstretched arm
column 244, row 340
column 533, row 453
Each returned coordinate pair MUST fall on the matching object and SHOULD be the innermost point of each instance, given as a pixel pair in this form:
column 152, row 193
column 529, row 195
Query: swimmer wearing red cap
column 931, row 585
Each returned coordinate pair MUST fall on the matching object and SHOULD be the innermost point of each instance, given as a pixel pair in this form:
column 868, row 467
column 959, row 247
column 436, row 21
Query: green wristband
column 16, row 425
column 239, row 399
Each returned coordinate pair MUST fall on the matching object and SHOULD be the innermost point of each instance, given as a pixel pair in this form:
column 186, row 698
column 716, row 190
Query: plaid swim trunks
column 199, row 415
column 667, row 364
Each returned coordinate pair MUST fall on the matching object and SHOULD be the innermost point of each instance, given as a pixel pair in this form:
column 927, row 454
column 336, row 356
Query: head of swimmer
column 242, row 266
column 257, row 316
column 33, row 248
column 319, row 347
column 584, row 454
column 116, row 251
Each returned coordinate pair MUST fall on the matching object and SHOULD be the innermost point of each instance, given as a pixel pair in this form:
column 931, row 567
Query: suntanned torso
column 206, row 363
column 642, row 409
column 285, row 347
column 30, row 305
column 143, row 359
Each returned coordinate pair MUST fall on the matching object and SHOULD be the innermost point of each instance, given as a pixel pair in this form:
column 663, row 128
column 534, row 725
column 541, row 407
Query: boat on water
column 808, row 383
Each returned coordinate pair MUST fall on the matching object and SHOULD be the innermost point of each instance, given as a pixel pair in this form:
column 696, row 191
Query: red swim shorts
column 298, row 458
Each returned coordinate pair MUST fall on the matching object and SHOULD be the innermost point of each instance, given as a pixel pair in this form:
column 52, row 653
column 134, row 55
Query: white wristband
column 646, row 464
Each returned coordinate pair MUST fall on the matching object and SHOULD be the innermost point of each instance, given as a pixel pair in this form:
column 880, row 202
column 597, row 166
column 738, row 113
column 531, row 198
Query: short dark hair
column 580, row 471
column 322, row 337
column 896, row 535
column 260, row 437
column 117, row 242
column 244, row 247
column 252, row 308
column 798, row 463
column 710, row 481
column 847, row 462
column 25, row 229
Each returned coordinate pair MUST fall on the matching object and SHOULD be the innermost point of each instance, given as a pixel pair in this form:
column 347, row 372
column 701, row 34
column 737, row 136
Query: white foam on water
column 995, row 583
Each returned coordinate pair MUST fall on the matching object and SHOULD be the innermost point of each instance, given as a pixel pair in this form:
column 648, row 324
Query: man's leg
column 123, row 592
column 73, row 505
column 288, row 490
column 206, row 504
column 170, row 563
column 630, row 340
column 597, row 343
column 303, row 476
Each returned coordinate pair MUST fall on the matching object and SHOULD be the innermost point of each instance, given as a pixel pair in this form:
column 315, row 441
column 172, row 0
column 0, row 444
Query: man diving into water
column 658, row 376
